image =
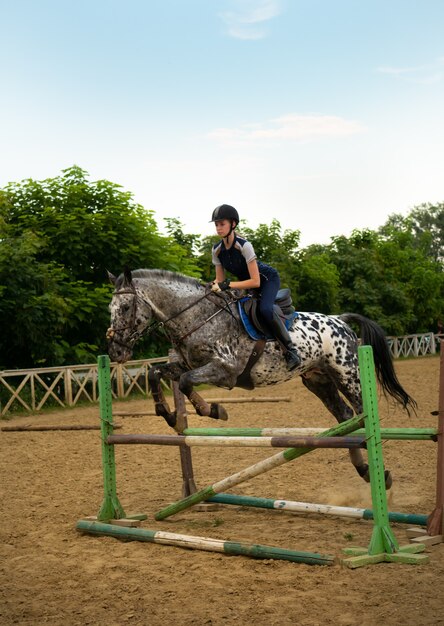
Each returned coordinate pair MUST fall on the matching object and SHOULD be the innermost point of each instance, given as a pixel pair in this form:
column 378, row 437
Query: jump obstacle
column 383, row 545
column 434, row 523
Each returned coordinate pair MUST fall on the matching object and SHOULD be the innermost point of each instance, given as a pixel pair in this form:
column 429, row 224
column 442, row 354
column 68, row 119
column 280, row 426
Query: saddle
column 248, row 308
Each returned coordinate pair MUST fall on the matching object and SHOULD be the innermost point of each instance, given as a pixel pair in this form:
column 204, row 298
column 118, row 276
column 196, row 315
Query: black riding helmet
column 225, row 212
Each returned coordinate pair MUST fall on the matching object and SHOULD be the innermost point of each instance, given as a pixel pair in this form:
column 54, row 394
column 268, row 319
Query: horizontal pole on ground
column 256, row 551
column 400, row 434
column 251, row 442
column 311, row 507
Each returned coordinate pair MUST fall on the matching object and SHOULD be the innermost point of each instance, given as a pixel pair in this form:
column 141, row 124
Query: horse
column 213, row 348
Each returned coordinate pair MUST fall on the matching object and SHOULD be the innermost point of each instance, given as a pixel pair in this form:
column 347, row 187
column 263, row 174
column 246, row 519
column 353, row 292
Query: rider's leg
column 269, row 289
column 281, row 333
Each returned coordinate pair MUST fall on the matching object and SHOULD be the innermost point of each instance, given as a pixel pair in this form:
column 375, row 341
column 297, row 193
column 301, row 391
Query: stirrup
column 293, row 359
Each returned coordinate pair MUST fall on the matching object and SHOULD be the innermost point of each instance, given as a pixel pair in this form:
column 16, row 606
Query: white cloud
column 247, row 18
column 290, row 127
column 420, row 74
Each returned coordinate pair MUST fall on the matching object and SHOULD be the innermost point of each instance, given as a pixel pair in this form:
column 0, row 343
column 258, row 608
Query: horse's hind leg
column 353, row 395
column 325, row 389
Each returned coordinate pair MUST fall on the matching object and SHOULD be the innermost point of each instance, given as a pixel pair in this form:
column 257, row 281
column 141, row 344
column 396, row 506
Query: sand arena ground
column 50, row 574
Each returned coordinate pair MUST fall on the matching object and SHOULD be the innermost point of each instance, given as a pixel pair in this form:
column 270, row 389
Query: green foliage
column 204, row 258
column 58, row 238
column 426, row 224
column 275, row 248
column 389, row 279
column 189, row 243
column 318, row 282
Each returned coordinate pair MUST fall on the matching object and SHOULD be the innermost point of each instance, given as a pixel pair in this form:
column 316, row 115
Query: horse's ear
column 127, row 275
column 112, row 279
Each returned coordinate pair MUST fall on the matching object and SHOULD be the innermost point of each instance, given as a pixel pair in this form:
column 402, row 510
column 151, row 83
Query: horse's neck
column 168, row 298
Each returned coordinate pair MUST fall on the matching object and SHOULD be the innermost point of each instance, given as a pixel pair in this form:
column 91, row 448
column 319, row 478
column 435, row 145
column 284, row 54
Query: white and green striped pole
column 395, row 434
column 416, row 519
column 257, row 551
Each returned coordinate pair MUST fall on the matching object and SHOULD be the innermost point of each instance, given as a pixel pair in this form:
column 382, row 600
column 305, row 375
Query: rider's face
column 223, row 227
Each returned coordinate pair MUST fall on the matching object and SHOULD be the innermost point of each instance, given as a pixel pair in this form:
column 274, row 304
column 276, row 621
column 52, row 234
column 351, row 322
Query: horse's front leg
column 170, row 371
column 211, row 374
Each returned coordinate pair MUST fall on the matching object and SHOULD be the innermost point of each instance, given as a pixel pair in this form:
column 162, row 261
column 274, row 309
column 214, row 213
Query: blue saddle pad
column 251, row 330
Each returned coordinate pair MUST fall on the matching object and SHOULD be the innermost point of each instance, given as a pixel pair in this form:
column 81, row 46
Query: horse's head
column 130, row 315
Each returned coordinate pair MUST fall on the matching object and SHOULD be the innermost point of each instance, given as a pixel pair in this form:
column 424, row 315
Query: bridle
column 112, row 332
column 133, row 335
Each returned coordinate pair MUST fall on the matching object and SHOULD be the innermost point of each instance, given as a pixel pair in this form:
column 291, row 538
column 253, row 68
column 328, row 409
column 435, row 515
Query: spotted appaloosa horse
column 213, row 348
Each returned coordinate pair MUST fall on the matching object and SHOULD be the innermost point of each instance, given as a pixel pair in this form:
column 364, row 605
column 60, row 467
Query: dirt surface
column 51, row 574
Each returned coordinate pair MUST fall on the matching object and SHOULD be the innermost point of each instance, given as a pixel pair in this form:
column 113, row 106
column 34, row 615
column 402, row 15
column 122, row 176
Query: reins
column 225, row 307
column 111, row 332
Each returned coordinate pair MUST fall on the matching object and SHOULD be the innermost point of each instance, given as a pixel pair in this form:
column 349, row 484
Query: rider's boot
column 281, row 333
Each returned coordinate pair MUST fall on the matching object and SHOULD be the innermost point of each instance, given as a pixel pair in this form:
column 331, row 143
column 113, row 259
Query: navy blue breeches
column 270, row 285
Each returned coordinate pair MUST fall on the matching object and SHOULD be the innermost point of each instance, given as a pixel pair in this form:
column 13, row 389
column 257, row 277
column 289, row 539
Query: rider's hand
column 224, row 285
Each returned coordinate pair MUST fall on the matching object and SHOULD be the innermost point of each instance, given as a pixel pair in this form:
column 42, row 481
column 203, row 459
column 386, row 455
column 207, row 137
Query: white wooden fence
column 31, row 390
column 414, row 345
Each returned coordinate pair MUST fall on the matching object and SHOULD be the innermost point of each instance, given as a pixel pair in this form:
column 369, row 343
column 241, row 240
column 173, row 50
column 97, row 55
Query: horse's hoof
column 388, row 479
column 218, row 412
column 168, row 416
column 363, row 471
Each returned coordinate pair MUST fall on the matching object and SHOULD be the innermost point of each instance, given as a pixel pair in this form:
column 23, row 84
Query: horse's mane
column 160, row 274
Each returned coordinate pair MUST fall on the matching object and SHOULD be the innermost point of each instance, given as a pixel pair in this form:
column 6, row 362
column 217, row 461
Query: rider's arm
column 220, row 273
column 251, row 283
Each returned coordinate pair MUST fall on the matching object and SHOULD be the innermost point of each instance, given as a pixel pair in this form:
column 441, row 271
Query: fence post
column 119, row 380
column 68, row 387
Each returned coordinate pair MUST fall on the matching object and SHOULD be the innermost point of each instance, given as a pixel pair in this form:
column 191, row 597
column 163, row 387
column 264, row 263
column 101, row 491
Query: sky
column 326, row 115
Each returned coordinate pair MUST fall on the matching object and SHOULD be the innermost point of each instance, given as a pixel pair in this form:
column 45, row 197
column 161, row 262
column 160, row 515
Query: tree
column 276, row 248
column 426, row 223
column 318, row 281
column 388, row 279
column 58, row 238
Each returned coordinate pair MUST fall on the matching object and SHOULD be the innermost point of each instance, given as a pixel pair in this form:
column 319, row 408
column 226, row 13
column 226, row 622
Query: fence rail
column 32, row 389
column 414, row 345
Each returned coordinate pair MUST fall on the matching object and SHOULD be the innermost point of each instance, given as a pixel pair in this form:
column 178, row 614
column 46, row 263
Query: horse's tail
column 373, row 335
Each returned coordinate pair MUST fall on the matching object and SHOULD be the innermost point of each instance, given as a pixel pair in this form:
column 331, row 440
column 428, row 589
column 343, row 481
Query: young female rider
column 235, row 254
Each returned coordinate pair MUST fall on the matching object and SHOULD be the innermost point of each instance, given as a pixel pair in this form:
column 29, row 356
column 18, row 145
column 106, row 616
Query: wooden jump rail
column 23, row 429
column 383, row 545
column 246, row 442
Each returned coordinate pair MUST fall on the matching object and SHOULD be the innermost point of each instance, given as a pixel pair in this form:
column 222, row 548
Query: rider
column 235, row 254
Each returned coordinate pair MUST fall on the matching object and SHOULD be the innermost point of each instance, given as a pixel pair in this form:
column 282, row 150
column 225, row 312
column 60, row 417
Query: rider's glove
column 224, row 285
